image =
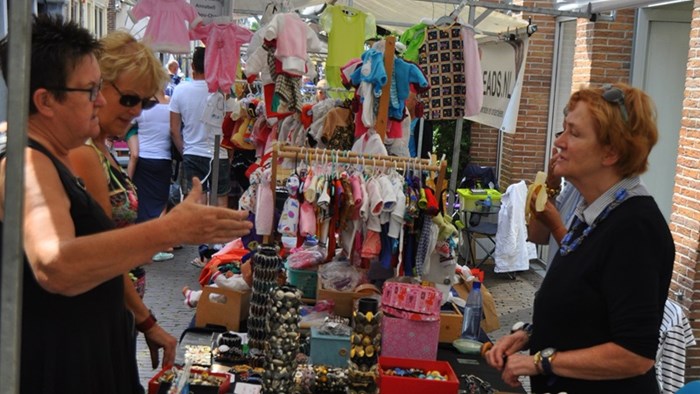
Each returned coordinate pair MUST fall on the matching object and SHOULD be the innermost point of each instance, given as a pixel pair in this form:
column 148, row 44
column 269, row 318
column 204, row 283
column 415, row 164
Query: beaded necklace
column 568, row 244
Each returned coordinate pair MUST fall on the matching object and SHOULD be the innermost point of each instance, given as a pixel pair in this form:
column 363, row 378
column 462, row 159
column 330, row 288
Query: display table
column 462, row 364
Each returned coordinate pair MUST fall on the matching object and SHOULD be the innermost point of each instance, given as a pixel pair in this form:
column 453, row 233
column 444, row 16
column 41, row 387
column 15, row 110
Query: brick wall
column 603, row 50
column 112, row 15
column 685, row 216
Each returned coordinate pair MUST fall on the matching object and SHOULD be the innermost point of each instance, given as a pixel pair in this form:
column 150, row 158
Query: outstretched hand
column 195, row 223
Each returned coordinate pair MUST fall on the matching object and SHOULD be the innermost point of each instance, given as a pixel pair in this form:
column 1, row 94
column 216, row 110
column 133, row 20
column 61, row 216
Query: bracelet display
column 148, row 323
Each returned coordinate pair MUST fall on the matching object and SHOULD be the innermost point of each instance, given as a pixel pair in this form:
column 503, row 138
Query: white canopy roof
column 397, row 15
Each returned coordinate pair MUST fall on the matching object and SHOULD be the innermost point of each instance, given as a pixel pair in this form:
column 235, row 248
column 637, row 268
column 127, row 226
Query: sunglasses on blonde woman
column 615, row 95
column 132, row 100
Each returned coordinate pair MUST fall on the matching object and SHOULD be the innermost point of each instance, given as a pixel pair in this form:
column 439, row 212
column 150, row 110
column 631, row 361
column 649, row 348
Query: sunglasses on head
column 614, row 95
column 132, row 100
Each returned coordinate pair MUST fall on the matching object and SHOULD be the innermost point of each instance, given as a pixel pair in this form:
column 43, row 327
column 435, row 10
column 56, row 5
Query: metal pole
column 214, row 180
column 19, row 53
column 421, row 123
column 455, row 166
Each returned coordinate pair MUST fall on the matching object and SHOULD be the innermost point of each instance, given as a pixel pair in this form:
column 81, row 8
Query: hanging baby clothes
column 168, row 26
column 289, row 220
column 347, row 29
column 248, row 200
column 370, row 78
column 472, row 73
column 413, row 38
column 369, row 144
column 223, row 43
column 405, row 74
column 294, row 40
column 319, row 112
column 264, row 215
column 338, row 130
column 287, row 96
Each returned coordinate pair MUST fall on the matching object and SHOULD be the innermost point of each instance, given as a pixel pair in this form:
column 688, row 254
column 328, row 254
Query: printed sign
column 503, row 67
column 210, row 9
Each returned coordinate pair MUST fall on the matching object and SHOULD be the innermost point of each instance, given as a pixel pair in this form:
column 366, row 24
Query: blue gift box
column 330, row 350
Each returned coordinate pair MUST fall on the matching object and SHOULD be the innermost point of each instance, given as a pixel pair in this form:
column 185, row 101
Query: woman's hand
column 553, row 181
column 504, row 348
column 157, row 338
column 550, row 216
column 518, row 365
column 194, row 223
column 551, row 219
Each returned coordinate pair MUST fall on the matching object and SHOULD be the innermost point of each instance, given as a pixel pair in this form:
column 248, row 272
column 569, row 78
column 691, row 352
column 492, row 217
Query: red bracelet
column 147, row 324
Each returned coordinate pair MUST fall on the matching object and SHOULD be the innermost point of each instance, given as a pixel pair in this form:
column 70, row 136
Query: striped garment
column 675, row 335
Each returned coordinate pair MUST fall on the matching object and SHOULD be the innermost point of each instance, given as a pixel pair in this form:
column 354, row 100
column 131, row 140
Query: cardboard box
column 451, row 322
column 409, row 338
column 400, row 385
column 330, row 350
column 450, row 326
column 228, row 314
column 490, row 322
column 344, row 301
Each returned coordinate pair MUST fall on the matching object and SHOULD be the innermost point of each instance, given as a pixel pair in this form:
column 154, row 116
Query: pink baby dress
column 223, row 43
column 169, row 23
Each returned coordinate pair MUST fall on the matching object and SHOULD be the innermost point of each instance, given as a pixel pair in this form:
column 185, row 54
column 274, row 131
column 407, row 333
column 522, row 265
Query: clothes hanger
column 452, row 17
column 445, row 20
column 296, row 161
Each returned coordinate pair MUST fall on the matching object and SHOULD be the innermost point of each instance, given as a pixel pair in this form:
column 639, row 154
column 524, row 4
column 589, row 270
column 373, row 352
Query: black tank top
column 80, row 344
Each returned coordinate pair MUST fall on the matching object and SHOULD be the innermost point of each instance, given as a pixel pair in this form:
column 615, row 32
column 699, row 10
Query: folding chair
column 482, row 225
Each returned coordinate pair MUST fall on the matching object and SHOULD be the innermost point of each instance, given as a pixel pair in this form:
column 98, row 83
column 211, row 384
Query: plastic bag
column 305, row 259
column 339, row 275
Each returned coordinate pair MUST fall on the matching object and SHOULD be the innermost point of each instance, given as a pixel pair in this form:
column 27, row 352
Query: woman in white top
column 154, row 167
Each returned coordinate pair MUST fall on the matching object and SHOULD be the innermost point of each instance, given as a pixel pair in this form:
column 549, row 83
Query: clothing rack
column 338, row 156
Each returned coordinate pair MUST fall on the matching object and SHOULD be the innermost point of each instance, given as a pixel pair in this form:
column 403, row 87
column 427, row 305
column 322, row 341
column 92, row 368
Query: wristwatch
column 547, row 356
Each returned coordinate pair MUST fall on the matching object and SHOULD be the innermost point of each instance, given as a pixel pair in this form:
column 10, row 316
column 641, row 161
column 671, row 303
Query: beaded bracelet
column 553, row 192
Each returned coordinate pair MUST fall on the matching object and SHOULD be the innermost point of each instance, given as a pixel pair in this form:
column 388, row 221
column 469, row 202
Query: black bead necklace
column 568, row 244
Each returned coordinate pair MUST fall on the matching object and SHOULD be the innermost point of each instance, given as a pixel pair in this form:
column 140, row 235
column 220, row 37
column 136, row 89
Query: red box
column 154, row 385
column 410, row 338
column 401, row 385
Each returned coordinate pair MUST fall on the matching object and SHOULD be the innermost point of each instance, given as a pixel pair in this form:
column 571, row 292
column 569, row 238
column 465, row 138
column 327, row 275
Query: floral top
column 122, row 192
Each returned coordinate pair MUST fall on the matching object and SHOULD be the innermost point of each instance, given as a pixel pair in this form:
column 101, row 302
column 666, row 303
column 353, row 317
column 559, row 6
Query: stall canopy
column 397, row 15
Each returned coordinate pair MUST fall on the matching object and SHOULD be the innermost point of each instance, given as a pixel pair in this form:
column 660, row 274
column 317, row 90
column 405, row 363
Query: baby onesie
column 166, row 30
column 289, row 220
column 223, row 43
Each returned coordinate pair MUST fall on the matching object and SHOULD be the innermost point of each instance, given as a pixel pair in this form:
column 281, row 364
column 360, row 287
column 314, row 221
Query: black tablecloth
column 473, row 365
